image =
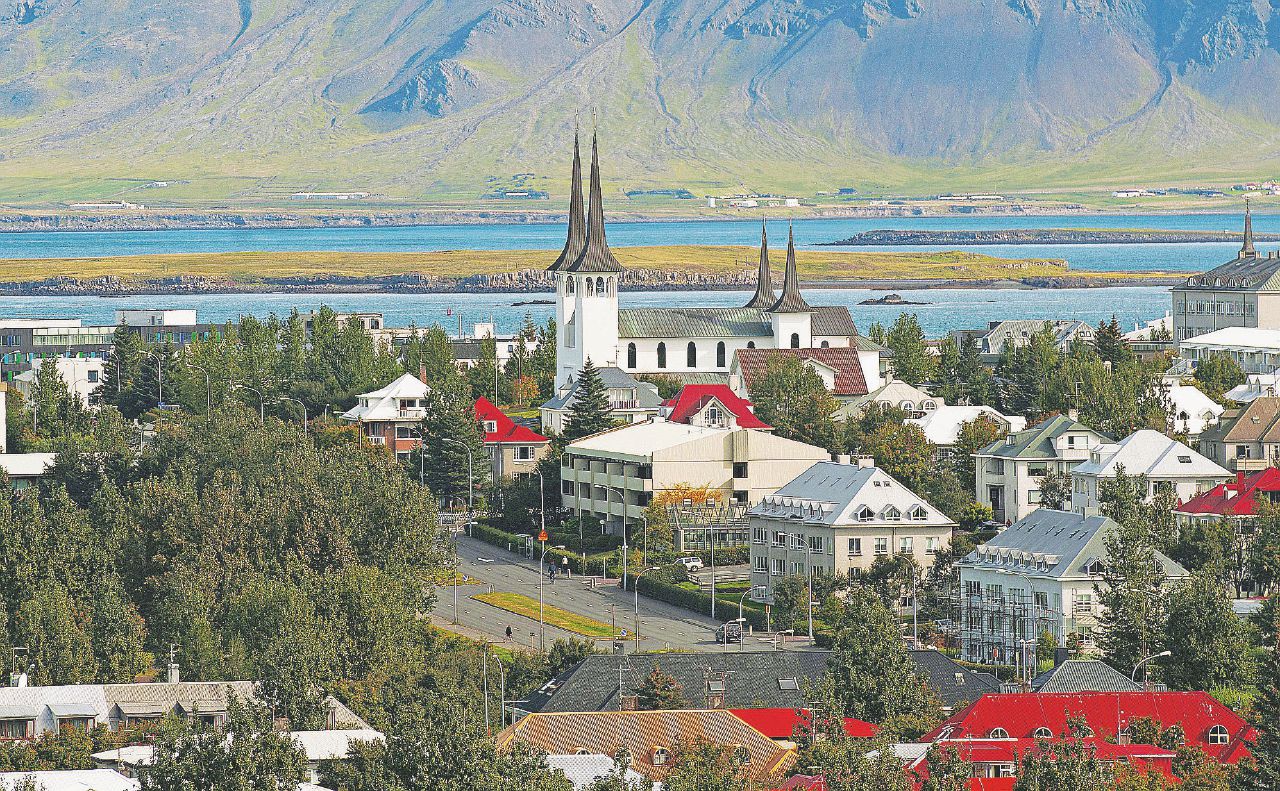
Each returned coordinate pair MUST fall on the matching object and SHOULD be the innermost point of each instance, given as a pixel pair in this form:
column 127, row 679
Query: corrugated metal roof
column 1084, row 675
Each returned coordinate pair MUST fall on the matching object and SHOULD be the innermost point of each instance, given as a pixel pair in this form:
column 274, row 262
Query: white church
column 680, row 342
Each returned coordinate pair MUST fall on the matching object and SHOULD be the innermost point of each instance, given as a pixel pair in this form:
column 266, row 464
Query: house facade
column 391, row 416
column 1164, row 461
column 1008, row 471
column 514, row 450
column 1245, row 439
column 839, row 518
column 630, row 400
column 1244, row 292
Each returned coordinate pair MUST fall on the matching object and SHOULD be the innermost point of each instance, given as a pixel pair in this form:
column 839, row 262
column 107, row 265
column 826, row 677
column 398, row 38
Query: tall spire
column 764, row 298
column 596, row 256
column 577, row 238
column 1248, row 251
column 791, row 301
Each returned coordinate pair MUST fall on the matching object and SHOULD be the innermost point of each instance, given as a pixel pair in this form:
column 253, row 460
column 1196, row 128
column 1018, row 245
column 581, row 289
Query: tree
column 1131, row 594
column 961, row 376
column 565, row 653
column 58, row 647
column 1263, row 773
column 706, row 767
column 847, row 764
column 974, row 435
column 1217, row 374
column 1067, row 764
column 902, row 450
column 590, row 412
column 947, row 770
column 876, row 333
column 791, row 397
column 1263, row 554
column 249, row 755
column 1110, row 344
column 1213, row 649
column 1055, row 490
column 912, row 362
column 660, row 691
column 449, row 430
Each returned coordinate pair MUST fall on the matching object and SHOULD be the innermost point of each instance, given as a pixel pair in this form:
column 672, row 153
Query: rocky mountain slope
column 415, row 98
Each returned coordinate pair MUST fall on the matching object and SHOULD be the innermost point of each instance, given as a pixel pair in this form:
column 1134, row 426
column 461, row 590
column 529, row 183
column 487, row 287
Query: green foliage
column 1263, row 558
column 1065, row 765
column 1217, row 374
column 449, row 431
column 947, row 770
column 1127, row 497
column 791, row 397
column 973, row 436
column 1214, row 648
column 854, row 764
column 876, row 333
column 565, row 653
column 706, row 767
column 1263, row 774
column 912, row 362
column 1110, row 344
column 667, row 385
column 1133, row 619
column 660, row 691
column 249, row 755
column 1055, row 490
column 961, row 376
column 590, row 412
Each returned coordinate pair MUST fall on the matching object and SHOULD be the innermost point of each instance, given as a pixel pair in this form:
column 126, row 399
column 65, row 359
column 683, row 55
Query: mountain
column 452, row 98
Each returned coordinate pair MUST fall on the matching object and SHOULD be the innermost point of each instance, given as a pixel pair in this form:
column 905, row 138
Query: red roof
column 849, row 379
column 692, row 398
column 505, row 429
column 1235, row 498
column 1106, row 713
column 782, row 723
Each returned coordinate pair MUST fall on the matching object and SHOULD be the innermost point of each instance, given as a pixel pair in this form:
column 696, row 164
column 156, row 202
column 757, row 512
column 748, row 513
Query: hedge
column 512, row 543
column 663, row 590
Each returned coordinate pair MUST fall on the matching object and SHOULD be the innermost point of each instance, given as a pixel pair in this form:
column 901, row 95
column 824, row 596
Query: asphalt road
column 662, row 625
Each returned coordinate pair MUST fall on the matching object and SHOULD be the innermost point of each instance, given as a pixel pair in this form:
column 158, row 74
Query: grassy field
column 815, row 265
column 554, row 616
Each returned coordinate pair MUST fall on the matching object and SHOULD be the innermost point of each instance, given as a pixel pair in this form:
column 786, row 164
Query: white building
column 391, row 415
column 1040, row 573
column 164, row 317
column 839, row 518
column 1257, row 351
column 1165, row 462
column 1192, row 410
column 1256, row 386
column 642, row 460
column 83, row 375
column 630, row 400
column 1008, row 471
column 942, row 425
column 676, row 341
column 893, row 393
column 69, row 780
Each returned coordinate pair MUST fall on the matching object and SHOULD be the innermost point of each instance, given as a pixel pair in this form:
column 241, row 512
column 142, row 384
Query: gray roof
column 723, row 322
column 1084, row 675
column 828, row 492
column 1052, row 543
column 1021, row 330
column 613, row 378
column 1037, row 441
column 756, row 679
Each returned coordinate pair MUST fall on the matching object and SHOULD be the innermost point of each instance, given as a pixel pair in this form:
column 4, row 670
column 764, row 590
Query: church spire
column 596, row 256
column 791, row 301
column 577, row 239
column 764, row 298
column 1248, row 250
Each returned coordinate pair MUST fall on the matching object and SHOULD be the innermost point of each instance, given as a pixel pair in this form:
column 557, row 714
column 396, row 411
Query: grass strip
column 554, row 616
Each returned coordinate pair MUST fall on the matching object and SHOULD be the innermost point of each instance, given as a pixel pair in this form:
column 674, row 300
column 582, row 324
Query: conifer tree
column 590, row 412
column 1213, row 648
column 912, row 362
column 1263, row 773
column 660, row 691
column 1109, row 341
column 449, row 430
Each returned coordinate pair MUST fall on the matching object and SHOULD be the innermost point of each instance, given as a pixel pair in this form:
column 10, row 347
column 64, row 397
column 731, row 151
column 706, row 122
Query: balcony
column 412, row 413
column 376, row 439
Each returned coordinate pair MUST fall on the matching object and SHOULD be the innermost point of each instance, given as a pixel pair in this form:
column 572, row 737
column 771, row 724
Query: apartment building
column 1164, row 461
column 1009, row 471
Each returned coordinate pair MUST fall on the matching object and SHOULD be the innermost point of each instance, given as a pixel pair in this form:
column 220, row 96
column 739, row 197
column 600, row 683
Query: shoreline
column 1038, row 237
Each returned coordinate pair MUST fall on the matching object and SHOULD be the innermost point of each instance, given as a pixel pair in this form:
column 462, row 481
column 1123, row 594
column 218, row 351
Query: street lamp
column 262, row 406
column 622, row 496
column 745, row 594
column 300, row 405
column 471, row 484
column 637, row 592
column 159, row 378
column 208, row 388
column 1134, row 675
column 542, row 564
column 645, row 552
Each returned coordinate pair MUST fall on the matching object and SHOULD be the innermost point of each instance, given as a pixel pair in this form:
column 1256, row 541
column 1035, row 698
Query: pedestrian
column 508, row 632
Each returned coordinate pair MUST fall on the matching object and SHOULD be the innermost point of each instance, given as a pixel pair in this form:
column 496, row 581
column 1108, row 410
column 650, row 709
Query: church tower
column 1247, row 250
column 586, row 283
column 791, row 316
column 764, row 297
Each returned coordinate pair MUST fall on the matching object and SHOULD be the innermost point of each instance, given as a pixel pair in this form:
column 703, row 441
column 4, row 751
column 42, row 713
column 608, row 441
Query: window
column 17, row 729
column 591, row 287
column 402, row 432
column 759, row 535
column 691, row 355
column 720, row 355
column 788, row 684
column 740, row 496
column 740, row 469
column 779, row 567
column 779, row 538
column 524, row 453
column 1038, row 469
column 631, row 355
column 906, row 545
column 825, row 345
column 1042, row 733
column 998, row 733
column 1218, row 735
column 566, row 488
column 93, row 377
column 713, row 416
column 931, row 545
column 795, row 340
column 917, row 513
column 600, row 286
column 855, row 547
column 662, row 355
column 815, row 545
column 892, row 514
column 865, row 514
column 751, row 344
column 761, row 564
column 1042, row 600
column 660, row 756
column 882, row 546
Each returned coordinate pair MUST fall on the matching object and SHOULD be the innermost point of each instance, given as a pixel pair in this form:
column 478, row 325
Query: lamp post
column 159, row 378
column 622, row 497
column 471, row 484
column 637, row 592
column 645, row 552
column 502, row 693
column 262, row 405
column 542, row 564
column 1134, row 675
column 208, row 389
column 301, row 405
column 744, row 595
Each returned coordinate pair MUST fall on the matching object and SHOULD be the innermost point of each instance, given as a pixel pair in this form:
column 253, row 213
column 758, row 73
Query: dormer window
column 917, row 513
column 490, row 426
column 1042, row 733
column 892, row 514
column 1218, row 735
column 865, row 514
column 661, row 755
column 998, row 733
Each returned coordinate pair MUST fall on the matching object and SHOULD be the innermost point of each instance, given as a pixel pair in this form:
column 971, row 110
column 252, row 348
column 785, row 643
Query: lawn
column 554, row 616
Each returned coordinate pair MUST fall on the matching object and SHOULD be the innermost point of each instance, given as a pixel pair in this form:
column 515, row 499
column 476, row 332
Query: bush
column 663, row 589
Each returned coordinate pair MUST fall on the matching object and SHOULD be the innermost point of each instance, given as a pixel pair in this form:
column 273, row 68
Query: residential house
column 840, row 368
column 390, row 416
column 1256, row 351
column 1244, row 293
column 1039, row 574
column 1255, row 386
column 1164, row 461
column 893, row 393
column 1192, row 411
column 785, row 724
column 514, row 449
column 1009, row 471
column 837, row 519
column 1237, row 503
column 1245, row 439
column 942, row 425
column 639, row 461
column 711, row 405
column 1000, row 335
column 82, row 376
column 993, row 762
column 648, row 741
column 1204, row 721
column 630, row 400
column 733, row 680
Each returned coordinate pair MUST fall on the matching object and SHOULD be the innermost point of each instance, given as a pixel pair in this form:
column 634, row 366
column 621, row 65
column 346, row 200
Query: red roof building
column 840, row 368
column 712, row 405
column 1205, row 722
column 783, row 723
column 514, row 449
column 1234, row 499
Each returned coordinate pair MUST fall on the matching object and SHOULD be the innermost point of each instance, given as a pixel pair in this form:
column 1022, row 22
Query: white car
column 690, row 563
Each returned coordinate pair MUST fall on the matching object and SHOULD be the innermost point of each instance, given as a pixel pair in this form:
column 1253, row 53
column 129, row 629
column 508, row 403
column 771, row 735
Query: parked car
column 735, row 632
column 692, row 563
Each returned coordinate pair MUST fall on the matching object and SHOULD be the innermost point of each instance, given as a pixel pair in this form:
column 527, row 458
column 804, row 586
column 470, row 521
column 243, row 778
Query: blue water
column 948, row 309
column 718, row 232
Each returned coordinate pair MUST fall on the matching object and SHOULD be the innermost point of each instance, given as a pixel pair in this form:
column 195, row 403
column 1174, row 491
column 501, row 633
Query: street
column 662, row 625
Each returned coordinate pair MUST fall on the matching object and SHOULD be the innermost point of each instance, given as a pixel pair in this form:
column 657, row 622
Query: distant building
column 1008, row 471
column 1000, row 335
column 1191, row 410
column 1083, row 675
column 894, row 393
column 847, row 372
column 1244, row 292
column 391, row 416
column 82, row 375
column 712, row 405
column 22, row 469
column 1256, row 351
column 942, row 425
column 1164, row 461
column 837, row 519
column 1237, row 503
column 1246, row 438
column 23, row 341
column 514, row 449
column 1255, row 386
column 630, row 400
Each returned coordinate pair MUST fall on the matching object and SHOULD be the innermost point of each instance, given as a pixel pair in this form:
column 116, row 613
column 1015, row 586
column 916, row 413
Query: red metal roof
column 692, row 398
column 506, row 429
column 782, row 723
column 849, row 378
column 1106, row 713
column 1235, row 498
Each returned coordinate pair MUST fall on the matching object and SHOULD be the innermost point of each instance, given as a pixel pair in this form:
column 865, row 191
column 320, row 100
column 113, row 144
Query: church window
column 692, row 355
column 631, row 355
column 795, row 340
column 662, row 355
column 720, row 354
column 600, row 286
column 568, row 285
column 591, row 287
column 826, row 345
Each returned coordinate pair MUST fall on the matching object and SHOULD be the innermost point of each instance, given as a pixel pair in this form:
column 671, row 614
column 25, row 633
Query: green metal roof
column 723, row 322
column 1037, row 441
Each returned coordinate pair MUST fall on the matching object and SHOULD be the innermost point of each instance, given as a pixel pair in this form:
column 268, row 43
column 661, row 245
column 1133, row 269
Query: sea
column 944, row 309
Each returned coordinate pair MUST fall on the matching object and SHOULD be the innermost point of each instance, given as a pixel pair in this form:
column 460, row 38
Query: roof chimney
column 866, row 462
column 172, row 675
column 1061, row 655
column 843, row 458
column 1074, row 414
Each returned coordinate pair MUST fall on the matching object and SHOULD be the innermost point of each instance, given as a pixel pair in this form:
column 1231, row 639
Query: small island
column 891, row 299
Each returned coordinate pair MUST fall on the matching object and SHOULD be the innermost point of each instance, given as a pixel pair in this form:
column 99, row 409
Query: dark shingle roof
column 596, row 255
column 756, row 679
column 1084, row 675
column 577, row 237
column 764, row 296
column 849, row 379
column 791, row 300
